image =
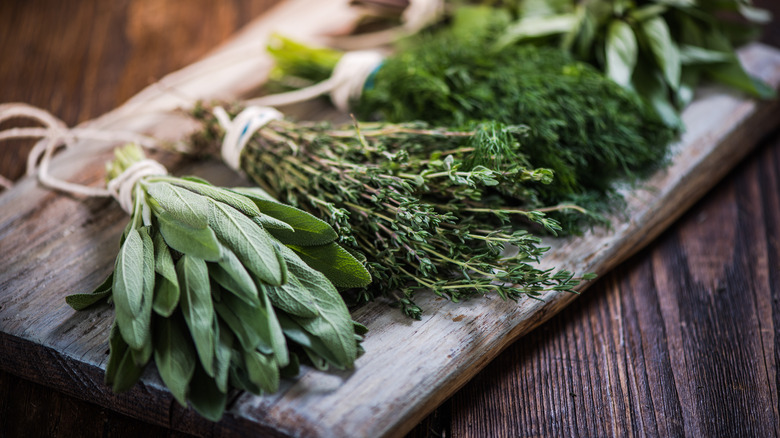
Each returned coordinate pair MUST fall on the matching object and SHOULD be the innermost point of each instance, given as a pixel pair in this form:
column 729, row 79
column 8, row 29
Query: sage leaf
column 249, row 324
column 621, row 52
column 292, row 297
column 296, row 333
column 333, row 324
column 278, row 341
column 197, row 307
column 197, row 242
column 307, row 229
column 262, row 371
column 225, row 196
column 231, row 275
column 183, row 205
column 222, row 353
column 239, row 376
column 271, row 223
column 249, row 241
column 121, row 371
column 128, row 292
column 166, row 288
column 82, row 301
column 663, row 48
column 205, row 396
column 174, row 356
column 336, row 263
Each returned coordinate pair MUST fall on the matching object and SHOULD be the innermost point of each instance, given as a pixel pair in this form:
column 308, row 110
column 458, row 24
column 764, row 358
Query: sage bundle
column 224, row 288
column 431, row 209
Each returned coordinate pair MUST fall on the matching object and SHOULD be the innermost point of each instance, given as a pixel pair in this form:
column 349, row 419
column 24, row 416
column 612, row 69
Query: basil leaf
column 205, row 396
column 664, row 50
column 197, row 242
column 262, row 371
column 231, row 275
column 82, row 301
column 225, row 196
column 698, row 55
column 197, row 307
column 536, row 27
column 174, row 356
column 655, row 92
column 621, row 52
column 307, row 229
column 248, row 240
column 732, row 73
column 166, row 288
column 128, row 288
column 337, row 264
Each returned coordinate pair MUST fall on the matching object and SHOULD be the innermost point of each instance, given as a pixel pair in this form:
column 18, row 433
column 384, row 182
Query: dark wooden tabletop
column 682, row 339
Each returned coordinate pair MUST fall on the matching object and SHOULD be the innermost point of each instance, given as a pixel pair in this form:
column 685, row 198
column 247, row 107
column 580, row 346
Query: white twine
column 121, row 187
column 344, row 85
column 239, row 130
column 421, row 13
column 55, row 133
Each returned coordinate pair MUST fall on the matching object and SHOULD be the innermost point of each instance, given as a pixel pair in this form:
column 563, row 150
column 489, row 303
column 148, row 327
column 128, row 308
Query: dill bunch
column 587, row 129
column 411, row 200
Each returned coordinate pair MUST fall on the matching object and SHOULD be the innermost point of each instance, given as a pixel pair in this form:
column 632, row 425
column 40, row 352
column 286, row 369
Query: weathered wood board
column 52, row 245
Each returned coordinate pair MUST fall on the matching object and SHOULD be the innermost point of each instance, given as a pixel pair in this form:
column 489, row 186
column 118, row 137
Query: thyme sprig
column 431, row 209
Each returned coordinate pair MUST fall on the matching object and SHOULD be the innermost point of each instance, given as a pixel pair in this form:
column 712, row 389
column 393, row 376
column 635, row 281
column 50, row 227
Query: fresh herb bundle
column 431, row 209
column 659, row 48
column 224, row 288
column 587, row 129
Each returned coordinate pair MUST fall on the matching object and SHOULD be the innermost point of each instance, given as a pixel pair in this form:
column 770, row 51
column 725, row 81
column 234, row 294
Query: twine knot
column 239, row 130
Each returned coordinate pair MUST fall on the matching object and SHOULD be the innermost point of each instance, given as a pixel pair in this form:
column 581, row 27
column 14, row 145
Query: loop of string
column 344, row 85
column 54, row 134
column 239, row 130
column 121, row 187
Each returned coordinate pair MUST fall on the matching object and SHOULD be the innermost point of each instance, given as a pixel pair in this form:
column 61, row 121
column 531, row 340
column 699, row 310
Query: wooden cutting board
column 52, row 245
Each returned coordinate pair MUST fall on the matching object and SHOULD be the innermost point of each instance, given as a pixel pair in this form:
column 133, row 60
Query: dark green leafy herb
column 197, row 284
column 430, row 209
column 583, row 127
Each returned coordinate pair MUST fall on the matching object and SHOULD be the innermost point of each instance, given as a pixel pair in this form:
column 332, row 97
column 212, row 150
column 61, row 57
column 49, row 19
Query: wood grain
column 595, row 427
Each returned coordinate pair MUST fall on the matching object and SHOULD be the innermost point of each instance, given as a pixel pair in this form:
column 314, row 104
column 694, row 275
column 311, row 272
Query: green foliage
column 586, row 129
column 430, row 209
column 663, row 47
column 190, row 287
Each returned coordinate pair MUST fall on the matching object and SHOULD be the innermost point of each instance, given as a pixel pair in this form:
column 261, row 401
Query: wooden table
column 681, row 339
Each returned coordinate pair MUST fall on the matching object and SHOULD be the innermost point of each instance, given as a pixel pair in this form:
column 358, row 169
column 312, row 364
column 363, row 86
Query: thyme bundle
column 223, row 288
column 587, row 129
column 431, row 209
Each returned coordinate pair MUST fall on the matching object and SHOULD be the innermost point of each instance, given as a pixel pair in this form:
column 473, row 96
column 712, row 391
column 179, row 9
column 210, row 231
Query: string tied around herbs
column 55, row 134
column 345, row 84
column 239, row 130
